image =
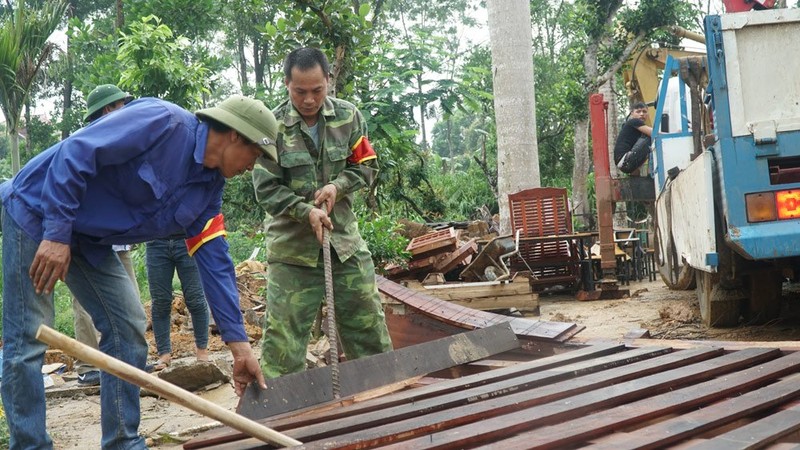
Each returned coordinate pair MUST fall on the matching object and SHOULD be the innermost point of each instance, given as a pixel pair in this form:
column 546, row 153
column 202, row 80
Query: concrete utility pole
column 514, row 101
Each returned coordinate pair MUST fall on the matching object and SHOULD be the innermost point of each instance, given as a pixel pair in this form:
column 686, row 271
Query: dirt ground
column 74, row 422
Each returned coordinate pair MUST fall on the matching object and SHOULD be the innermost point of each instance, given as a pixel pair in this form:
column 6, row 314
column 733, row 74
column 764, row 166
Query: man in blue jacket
column 150, row 170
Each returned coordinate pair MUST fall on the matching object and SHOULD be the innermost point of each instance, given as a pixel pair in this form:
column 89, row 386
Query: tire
column 680, row 279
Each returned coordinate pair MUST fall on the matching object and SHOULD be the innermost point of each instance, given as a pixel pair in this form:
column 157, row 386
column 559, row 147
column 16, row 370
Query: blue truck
column 726, row 167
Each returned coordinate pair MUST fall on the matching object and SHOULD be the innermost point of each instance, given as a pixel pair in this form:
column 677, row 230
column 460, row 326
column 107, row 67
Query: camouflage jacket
column 285, row 189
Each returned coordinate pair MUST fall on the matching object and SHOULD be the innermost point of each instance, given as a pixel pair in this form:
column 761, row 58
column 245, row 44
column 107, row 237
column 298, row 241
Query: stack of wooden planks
column 607, row 396
column 485, row 295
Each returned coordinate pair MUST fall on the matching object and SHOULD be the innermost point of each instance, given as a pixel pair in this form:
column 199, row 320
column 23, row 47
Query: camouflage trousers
column 294, row 295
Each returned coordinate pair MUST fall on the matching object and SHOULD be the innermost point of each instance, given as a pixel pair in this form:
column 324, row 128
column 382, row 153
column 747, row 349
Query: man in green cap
column 324, row 157
column 103, row 99
column 148, row 171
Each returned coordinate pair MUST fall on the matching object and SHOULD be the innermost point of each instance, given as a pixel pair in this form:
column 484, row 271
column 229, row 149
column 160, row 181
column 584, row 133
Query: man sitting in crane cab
column 633, row 142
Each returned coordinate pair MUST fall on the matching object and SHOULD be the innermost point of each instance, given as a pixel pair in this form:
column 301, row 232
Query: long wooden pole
column 167, row 390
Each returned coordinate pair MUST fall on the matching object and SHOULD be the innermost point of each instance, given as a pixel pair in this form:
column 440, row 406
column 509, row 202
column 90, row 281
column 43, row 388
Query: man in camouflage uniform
column 323, row 158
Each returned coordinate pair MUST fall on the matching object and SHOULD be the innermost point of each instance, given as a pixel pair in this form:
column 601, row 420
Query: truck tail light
column 760, row 207
column 788, row 204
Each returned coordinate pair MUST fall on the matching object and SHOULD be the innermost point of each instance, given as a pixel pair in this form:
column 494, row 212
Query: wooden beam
column 465, row 428
column 695, row 423
column 311, row 387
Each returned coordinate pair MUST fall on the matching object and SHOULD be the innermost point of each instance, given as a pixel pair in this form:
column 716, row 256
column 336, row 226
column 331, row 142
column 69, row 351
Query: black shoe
column 91, row 378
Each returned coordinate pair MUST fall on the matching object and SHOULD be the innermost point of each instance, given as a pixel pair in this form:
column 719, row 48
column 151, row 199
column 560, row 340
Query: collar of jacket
column 293, row 117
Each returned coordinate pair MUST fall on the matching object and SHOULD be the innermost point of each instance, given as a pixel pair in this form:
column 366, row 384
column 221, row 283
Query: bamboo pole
column 167, row 390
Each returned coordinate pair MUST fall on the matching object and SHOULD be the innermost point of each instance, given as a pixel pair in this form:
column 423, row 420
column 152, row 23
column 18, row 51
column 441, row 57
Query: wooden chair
column 541, row 212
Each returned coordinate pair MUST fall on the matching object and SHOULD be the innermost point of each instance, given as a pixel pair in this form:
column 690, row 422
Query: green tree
column 607, row 33
column 24, row 51
column 155, row 65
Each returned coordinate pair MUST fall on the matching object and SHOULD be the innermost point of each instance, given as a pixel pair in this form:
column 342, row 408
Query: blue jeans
column 107, row 294
column 164, row 257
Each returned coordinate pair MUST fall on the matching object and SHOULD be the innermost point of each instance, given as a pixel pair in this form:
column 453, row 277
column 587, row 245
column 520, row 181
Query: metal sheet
column 760, row 63
column 693, row 220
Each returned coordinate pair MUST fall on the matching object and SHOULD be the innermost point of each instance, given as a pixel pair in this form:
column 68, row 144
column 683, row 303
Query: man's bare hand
column 245, row 367
column 319, row 220
column 326, row 195
column 49, row 265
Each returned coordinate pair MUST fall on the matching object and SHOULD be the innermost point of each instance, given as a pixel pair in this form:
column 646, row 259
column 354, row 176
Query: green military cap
column 103, row 95
column 250, row 118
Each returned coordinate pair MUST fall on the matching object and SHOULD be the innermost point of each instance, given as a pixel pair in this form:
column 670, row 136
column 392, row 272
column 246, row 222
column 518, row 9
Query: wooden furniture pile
column 539, row 213
column 435, row 252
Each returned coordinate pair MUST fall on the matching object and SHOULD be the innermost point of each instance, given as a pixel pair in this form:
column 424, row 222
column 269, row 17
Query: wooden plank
column 457, row 385
column 512, row 387
column 522, row 419
column 437, row 241
column 468, row 318
column 460, row 291
column 527, row 302
column 560, row 396
column 678, row 401
column 764, row 431
column 455, row 258
column 313, row 386
column 694, row 423
column 318, row 414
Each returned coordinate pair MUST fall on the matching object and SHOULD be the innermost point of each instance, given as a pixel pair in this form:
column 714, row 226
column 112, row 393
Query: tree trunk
column 422, row 107
column 120, row 22
column 13, row 134
column 242, row 61
column 67, row 93
column 581, row 209
column 514, row 101
column 258, row 64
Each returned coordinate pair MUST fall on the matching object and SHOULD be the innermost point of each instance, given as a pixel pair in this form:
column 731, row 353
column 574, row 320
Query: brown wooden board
column 313, row 386
column 437, row 241
column 470, row 431
column 513, row 388
column 605, row 397
column 471, row 418
column 767, row 430
column 693, row 423
column 677, row 401
column 299, row 418
column 450, row 261
column 488, row 406
column 468, row 318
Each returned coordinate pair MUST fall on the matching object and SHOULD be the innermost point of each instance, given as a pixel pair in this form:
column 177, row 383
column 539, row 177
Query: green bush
column 385, row 242
column 62, row 299
column 242, row 243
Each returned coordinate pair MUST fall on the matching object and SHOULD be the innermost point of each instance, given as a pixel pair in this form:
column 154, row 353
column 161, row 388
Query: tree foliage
column 423, row 82
column 156, row 66
column 24, row 51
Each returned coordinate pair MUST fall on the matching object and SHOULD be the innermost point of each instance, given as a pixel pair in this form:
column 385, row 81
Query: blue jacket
column 129, row 177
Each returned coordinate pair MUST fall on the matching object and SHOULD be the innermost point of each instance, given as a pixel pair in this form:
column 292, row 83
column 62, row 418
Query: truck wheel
column 718, row 307
column 680, row 278
column 765, row 292
column 685, row 280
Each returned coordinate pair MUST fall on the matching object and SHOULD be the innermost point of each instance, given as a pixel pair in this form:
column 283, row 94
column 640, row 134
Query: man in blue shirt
column 150, row 170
